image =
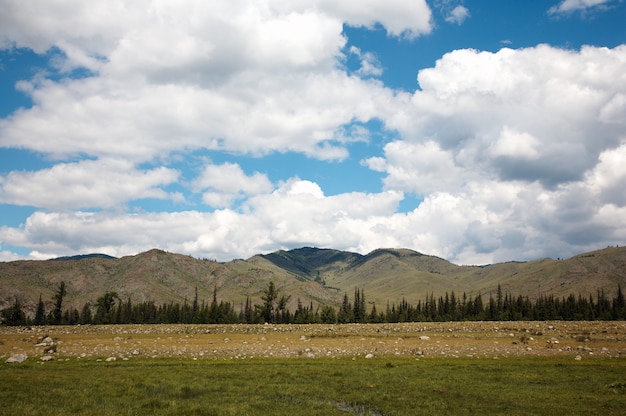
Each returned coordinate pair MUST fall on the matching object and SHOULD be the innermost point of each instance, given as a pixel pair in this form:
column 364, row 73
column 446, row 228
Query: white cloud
column 300, row 187
column 569, row 6
column 296, row 214
column 516, row 154
column 608, row 178
column 226, row 183
column 513, row 144
column 370, row 65
column 539, row 104
column 248, row 77
column 458, row 15
column 400, row 18
column 86, row 184
column 6, row 255
column 420, row 168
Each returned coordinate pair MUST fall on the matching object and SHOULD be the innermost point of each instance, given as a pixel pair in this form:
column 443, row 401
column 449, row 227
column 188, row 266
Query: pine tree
column 195, row 308
column 105, row 308
column 328, row 315
column 373, row 318
column 249, row 311
column 14, row 315
column 269, row 298
column 282, row 311
column 85, row 315
column 479, row 309
column 40, row 315
column 57, row 313
column 346, row 313
column 359, row 306
column 619, row 304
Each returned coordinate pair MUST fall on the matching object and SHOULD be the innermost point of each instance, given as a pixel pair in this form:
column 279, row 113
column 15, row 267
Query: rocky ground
column 578, row 340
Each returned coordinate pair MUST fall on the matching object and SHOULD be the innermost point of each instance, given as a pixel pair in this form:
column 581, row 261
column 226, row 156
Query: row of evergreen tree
column 111, row 309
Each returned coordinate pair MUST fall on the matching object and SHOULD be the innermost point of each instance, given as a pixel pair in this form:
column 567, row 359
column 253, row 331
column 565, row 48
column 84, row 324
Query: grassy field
column 441, row 386
column 433, row 369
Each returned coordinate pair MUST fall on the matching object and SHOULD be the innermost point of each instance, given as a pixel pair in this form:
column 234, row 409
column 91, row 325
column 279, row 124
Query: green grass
column 435, row 386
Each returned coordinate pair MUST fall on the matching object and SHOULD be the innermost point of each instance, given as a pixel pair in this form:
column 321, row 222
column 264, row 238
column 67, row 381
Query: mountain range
column 308, row 274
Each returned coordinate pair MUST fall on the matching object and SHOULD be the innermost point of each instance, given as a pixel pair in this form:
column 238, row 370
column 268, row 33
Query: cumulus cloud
column 515, row 154
column 6, row 255
column 293, row 215
column 247, row 78
column 528, row 114
column 223, row 184
column 419, row 168
column 398, row 17
column 86, row 184
column 527, row 156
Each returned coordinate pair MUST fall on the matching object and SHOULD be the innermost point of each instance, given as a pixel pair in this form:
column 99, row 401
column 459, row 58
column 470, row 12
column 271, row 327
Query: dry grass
column 451, row 339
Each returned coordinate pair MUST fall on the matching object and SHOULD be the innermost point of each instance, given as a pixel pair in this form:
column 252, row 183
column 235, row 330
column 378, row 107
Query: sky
column 478, row 131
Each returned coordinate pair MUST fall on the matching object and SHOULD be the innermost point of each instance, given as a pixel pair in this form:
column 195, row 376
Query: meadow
column 400, row 369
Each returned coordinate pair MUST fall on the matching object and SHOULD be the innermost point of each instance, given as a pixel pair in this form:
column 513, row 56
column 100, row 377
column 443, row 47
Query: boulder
column 44, row 341
column 17, row 359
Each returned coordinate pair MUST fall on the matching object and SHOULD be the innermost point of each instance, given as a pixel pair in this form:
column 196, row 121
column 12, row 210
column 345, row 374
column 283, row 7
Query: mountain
column 308, row 274
column 83, row 256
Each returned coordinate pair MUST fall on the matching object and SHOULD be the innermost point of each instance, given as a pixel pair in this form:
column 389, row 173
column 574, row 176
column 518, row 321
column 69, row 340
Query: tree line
column 111, row 309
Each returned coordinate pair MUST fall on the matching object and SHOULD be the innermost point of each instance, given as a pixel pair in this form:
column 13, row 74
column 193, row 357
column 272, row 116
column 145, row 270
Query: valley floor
column 578, row 340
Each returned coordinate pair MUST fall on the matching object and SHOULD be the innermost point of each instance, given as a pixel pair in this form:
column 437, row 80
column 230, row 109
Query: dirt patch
column 419, row 340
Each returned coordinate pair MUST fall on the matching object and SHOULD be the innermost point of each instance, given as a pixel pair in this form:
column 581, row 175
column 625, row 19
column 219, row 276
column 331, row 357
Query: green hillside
column 310, row 275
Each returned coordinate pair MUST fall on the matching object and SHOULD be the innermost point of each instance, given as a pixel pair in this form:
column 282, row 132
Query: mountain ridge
column 308, row 274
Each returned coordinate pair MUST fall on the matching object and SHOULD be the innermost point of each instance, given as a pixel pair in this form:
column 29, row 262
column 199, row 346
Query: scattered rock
column 17, row 359
column 552, row 342
column 46, row 358
column 578, row 358
column 368, row 356
column 110, row 359
column 424, row 337
column 49, row 344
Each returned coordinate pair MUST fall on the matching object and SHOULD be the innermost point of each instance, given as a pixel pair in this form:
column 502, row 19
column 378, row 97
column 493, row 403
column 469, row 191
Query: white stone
column 17, row 359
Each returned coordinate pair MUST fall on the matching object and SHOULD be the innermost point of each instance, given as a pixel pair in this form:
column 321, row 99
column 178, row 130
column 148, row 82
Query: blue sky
column 477, row 131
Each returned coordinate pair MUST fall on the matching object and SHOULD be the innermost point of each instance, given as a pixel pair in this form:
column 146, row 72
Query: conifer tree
column 346, row 313
column 269, row 298
column 56, row 317
column 328, row 315
column 13, row 315
column 40, row 314
column 85, row 315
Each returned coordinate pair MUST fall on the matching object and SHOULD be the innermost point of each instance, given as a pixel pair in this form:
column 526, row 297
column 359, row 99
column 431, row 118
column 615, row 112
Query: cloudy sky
column 479, row 131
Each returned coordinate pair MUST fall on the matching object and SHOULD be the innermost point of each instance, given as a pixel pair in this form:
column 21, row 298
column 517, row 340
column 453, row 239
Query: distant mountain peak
column 83, row 256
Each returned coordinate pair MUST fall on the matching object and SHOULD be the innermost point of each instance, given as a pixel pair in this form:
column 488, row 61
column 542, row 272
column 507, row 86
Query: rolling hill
column 308, row 274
